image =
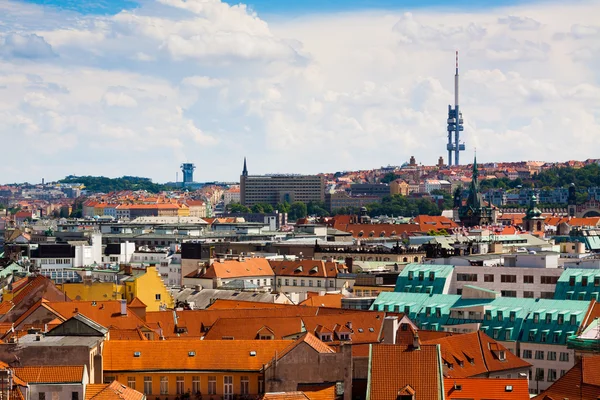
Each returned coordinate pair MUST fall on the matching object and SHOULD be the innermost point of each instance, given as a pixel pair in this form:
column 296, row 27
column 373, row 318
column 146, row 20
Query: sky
column 123, row 87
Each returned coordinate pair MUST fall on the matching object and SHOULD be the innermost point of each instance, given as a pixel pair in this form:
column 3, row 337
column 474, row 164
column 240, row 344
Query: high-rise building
column 455, row 125
column 274, row 189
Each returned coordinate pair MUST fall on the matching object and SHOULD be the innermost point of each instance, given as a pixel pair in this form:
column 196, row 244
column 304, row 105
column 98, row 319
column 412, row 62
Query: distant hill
column 105, row 185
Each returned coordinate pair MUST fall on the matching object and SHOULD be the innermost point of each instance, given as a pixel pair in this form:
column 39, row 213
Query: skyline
column 140, row 91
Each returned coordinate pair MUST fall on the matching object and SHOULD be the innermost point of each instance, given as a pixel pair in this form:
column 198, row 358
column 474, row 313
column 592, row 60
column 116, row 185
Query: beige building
column 400, row 187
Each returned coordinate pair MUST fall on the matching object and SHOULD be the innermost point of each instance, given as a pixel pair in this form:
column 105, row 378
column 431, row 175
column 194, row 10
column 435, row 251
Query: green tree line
column 105, row 185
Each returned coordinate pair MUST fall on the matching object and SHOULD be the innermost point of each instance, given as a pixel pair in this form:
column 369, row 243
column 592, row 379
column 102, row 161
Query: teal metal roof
column 504, row 318
column 578, row 284
column 424, row 278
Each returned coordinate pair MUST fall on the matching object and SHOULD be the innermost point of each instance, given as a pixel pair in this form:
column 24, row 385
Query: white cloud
column 203, row 81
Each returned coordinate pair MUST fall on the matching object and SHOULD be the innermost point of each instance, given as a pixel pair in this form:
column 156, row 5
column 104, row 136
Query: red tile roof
column 333, row 300
column 393, row 367
column 573, row 384
column 112, row 391
column 51, row 374
column 285, row 396
column 486, row 388
column 181, row 355
column 307, row 268
column 470, row 354
column 228, row 269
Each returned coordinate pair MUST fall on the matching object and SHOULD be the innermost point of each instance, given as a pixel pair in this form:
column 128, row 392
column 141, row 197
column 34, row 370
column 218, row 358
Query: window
column 279, row 281
column 584, row 282
column 543, row 337
column 571, row 281
column 131, row 382
column 287, row 282
column 438, row 312
column 539, row 374
column 228, row 387
column 573, row 320
column 549, row 280
column 508, row 278
column 488, row 315
column 547, row 295
column 564, row 357
column 164, row 385
column 563, row 372
column 551, row 375
column 195, row 384
column 261, row 385
column 318, row 283
column 528, row 279
column 310, row 282
column 466, row 277
column 157, row 297
column 244, row 385
column 488, row 278
column 500, row 316
column 74, row 395
column 597, row 281
column 555, row 337
column 560, row 319
column 301, row 282
column 331, row 283
column 431, row 276
column 536, row 318
column 421, row 275
column 411, row 275
column 428, row 311
column 527, row 354
column 551, row 356
column 508, row 293
column 180, row 385
column 512, row 317
column 507, row 334
column 548, row 318
column 212, row 385
column 41, row 396
column 539, row 354
column 148, row 385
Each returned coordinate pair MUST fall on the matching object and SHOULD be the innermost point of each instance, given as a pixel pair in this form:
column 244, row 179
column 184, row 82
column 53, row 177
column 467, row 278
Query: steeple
column 245, row 170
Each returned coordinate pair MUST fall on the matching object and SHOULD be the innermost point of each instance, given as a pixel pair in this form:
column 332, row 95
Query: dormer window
column 344, row 336
column 325, row 337
column 502, row 355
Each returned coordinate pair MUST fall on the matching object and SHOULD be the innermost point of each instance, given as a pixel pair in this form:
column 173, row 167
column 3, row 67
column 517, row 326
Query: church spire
column 245, row 170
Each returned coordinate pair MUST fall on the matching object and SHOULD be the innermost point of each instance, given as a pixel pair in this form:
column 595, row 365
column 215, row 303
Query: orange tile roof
column 377, row 230
column 5, row 307
column 235, row 269
column 470, row 355
column 333, row 300
column 389, row 372
column 285, row 396
column 136, row 302
column 572, row 385
column 51, row 374
column 112, row 391
column 319, row 392
column 486, row 388
column 126, row 334
column 105, row 313
column 251, row 328
column 213, row 355
column 233, row 304
column 308, row 268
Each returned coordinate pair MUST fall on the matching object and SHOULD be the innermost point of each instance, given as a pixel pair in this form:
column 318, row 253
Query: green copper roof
column 503, row 318
column 578, row 284
column 424, row 278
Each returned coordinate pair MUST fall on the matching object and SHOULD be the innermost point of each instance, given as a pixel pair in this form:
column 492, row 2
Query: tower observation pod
column 188, row 173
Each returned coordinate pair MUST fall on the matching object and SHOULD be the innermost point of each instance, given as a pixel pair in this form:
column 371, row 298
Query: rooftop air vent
column 508, row 388
column 252, row 353
column 191, row 353
column 137, row 353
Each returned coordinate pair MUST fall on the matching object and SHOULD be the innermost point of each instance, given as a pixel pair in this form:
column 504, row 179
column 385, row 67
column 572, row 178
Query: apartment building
column 303, row 276
column 507, row 281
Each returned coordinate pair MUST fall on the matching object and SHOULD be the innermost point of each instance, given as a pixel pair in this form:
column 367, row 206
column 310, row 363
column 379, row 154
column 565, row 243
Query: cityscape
column 199, row 202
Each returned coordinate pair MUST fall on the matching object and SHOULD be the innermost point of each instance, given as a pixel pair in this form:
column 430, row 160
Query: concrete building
column 275, row 189
column 342, row 199
column 400, row 187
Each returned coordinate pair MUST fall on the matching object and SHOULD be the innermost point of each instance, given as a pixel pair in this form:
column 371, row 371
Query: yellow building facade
column 146, row 285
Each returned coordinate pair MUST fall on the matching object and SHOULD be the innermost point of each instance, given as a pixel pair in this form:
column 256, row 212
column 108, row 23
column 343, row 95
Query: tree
column 237, row 208
column 448, row 201
column 297, row 210
column 389, row 177
column 283, row 207
column 262, row 208
column 317, row 208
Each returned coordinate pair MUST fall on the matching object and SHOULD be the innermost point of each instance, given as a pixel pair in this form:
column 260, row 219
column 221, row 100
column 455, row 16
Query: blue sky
column 285, row 7
column 304, row 87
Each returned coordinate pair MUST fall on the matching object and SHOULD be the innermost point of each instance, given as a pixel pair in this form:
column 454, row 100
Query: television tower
column 455, row 125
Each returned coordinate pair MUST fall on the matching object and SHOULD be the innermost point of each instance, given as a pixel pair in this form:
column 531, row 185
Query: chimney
column 127, row 269
column 416, row 341
column 390, row 329
column 123, row 307
column 349, row 263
